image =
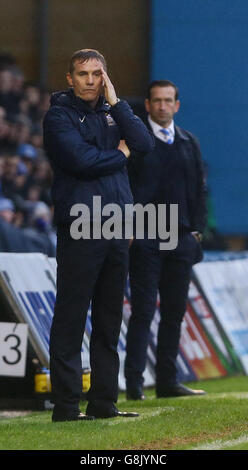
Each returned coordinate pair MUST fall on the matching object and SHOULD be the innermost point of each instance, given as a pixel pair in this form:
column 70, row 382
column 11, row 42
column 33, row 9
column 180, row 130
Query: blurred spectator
column 31, row 99
column 8, row 99
column 17, row 80
column 39, row 237
column 40, row 229
column 43, row 179
column 36, row 139
column 25, row 173
column 7, row 210
column 10, row 172
column 12, row 239
column 38, row 174
column 4, row 129
column 23, row 128
column 2, row 114
column 28, row 156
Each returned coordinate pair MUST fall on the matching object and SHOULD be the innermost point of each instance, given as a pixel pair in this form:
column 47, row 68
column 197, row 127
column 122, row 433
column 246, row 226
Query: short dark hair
column 83, row 55
column 162, row 83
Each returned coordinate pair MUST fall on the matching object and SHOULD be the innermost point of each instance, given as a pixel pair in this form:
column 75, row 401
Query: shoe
column 106, row 411
column 178, row 390
column 135, row 394
column 59, row 416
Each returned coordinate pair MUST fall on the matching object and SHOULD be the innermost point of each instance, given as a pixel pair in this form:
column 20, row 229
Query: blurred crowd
column 26, row 211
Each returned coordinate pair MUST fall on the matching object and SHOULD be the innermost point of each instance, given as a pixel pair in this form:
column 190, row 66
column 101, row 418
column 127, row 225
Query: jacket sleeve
column 67, row 149
column 132, row 129
column 200, row 216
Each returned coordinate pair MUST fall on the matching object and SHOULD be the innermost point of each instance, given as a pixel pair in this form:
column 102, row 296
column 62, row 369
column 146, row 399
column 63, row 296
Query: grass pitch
column 216, row 421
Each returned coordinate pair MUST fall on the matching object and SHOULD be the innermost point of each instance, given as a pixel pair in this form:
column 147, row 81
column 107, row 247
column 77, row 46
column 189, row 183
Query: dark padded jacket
column 81, row 144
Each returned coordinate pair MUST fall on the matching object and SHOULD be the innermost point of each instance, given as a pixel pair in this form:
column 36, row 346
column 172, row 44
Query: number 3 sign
column 13, row 348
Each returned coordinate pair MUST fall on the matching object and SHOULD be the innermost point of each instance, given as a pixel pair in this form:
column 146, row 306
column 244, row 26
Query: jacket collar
column 179, row 133
column 68, row 98
column 82, row 105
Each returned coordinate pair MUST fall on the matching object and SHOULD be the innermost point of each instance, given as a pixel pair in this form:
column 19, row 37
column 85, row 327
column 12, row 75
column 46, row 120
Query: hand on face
column 87, row 80
column 109, row 90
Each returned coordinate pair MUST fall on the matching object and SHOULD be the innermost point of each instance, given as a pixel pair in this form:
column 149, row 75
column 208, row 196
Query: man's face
column 162, row 105
column 86, row 80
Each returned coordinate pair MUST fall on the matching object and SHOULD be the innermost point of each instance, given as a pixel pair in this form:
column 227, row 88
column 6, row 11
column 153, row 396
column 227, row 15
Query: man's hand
column 123, row 147
column 109, row 90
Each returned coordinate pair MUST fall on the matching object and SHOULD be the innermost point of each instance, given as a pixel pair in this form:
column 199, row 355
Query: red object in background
column 198, row 350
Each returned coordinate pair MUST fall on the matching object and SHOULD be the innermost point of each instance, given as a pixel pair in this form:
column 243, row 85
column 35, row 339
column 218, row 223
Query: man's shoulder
column 58, row 112
column 184, row 133
column 60, row 103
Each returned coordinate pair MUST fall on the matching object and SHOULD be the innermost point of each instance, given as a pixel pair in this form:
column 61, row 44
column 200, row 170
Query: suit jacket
column 148, row 177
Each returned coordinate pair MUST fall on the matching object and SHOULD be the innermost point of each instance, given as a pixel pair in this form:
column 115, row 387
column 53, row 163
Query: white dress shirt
column 156, row 129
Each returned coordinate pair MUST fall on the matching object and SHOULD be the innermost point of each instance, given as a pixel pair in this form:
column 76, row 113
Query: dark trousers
column 167, row 272
column 87, row 270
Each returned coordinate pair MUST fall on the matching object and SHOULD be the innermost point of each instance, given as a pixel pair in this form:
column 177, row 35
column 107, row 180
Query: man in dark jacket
column 83, row 137
column 172, row 173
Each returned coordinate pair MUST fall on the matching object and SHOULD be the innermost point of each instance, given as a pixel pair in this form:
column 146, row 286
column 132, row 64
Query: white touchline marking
column 208, row 396
column 240, row 395
column 221, row 444
column 124, row 400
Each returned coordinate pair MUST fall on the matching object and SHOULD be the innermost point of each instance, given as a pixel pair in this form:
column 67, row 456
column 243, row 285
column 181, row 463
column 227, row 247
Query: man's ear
column 69, row 79
column 147, row 105
column 177, row 106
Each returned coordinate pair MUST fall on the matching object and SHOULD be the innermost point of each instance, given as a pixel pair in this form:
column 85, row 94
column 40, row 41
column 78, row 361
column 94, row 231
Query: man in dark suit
column 172, row 173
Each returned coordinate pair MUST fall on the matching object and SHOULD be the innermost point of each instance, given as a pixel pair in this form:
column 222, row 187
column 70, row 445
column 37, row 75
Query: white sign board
column 225, row 285
column 13, row 349
column 30, row 282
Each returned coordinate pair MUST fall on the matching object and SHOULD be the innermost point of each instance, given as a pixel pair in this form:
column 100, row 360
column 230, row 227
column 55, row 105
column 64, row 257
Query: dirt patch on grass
column 170, row 444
